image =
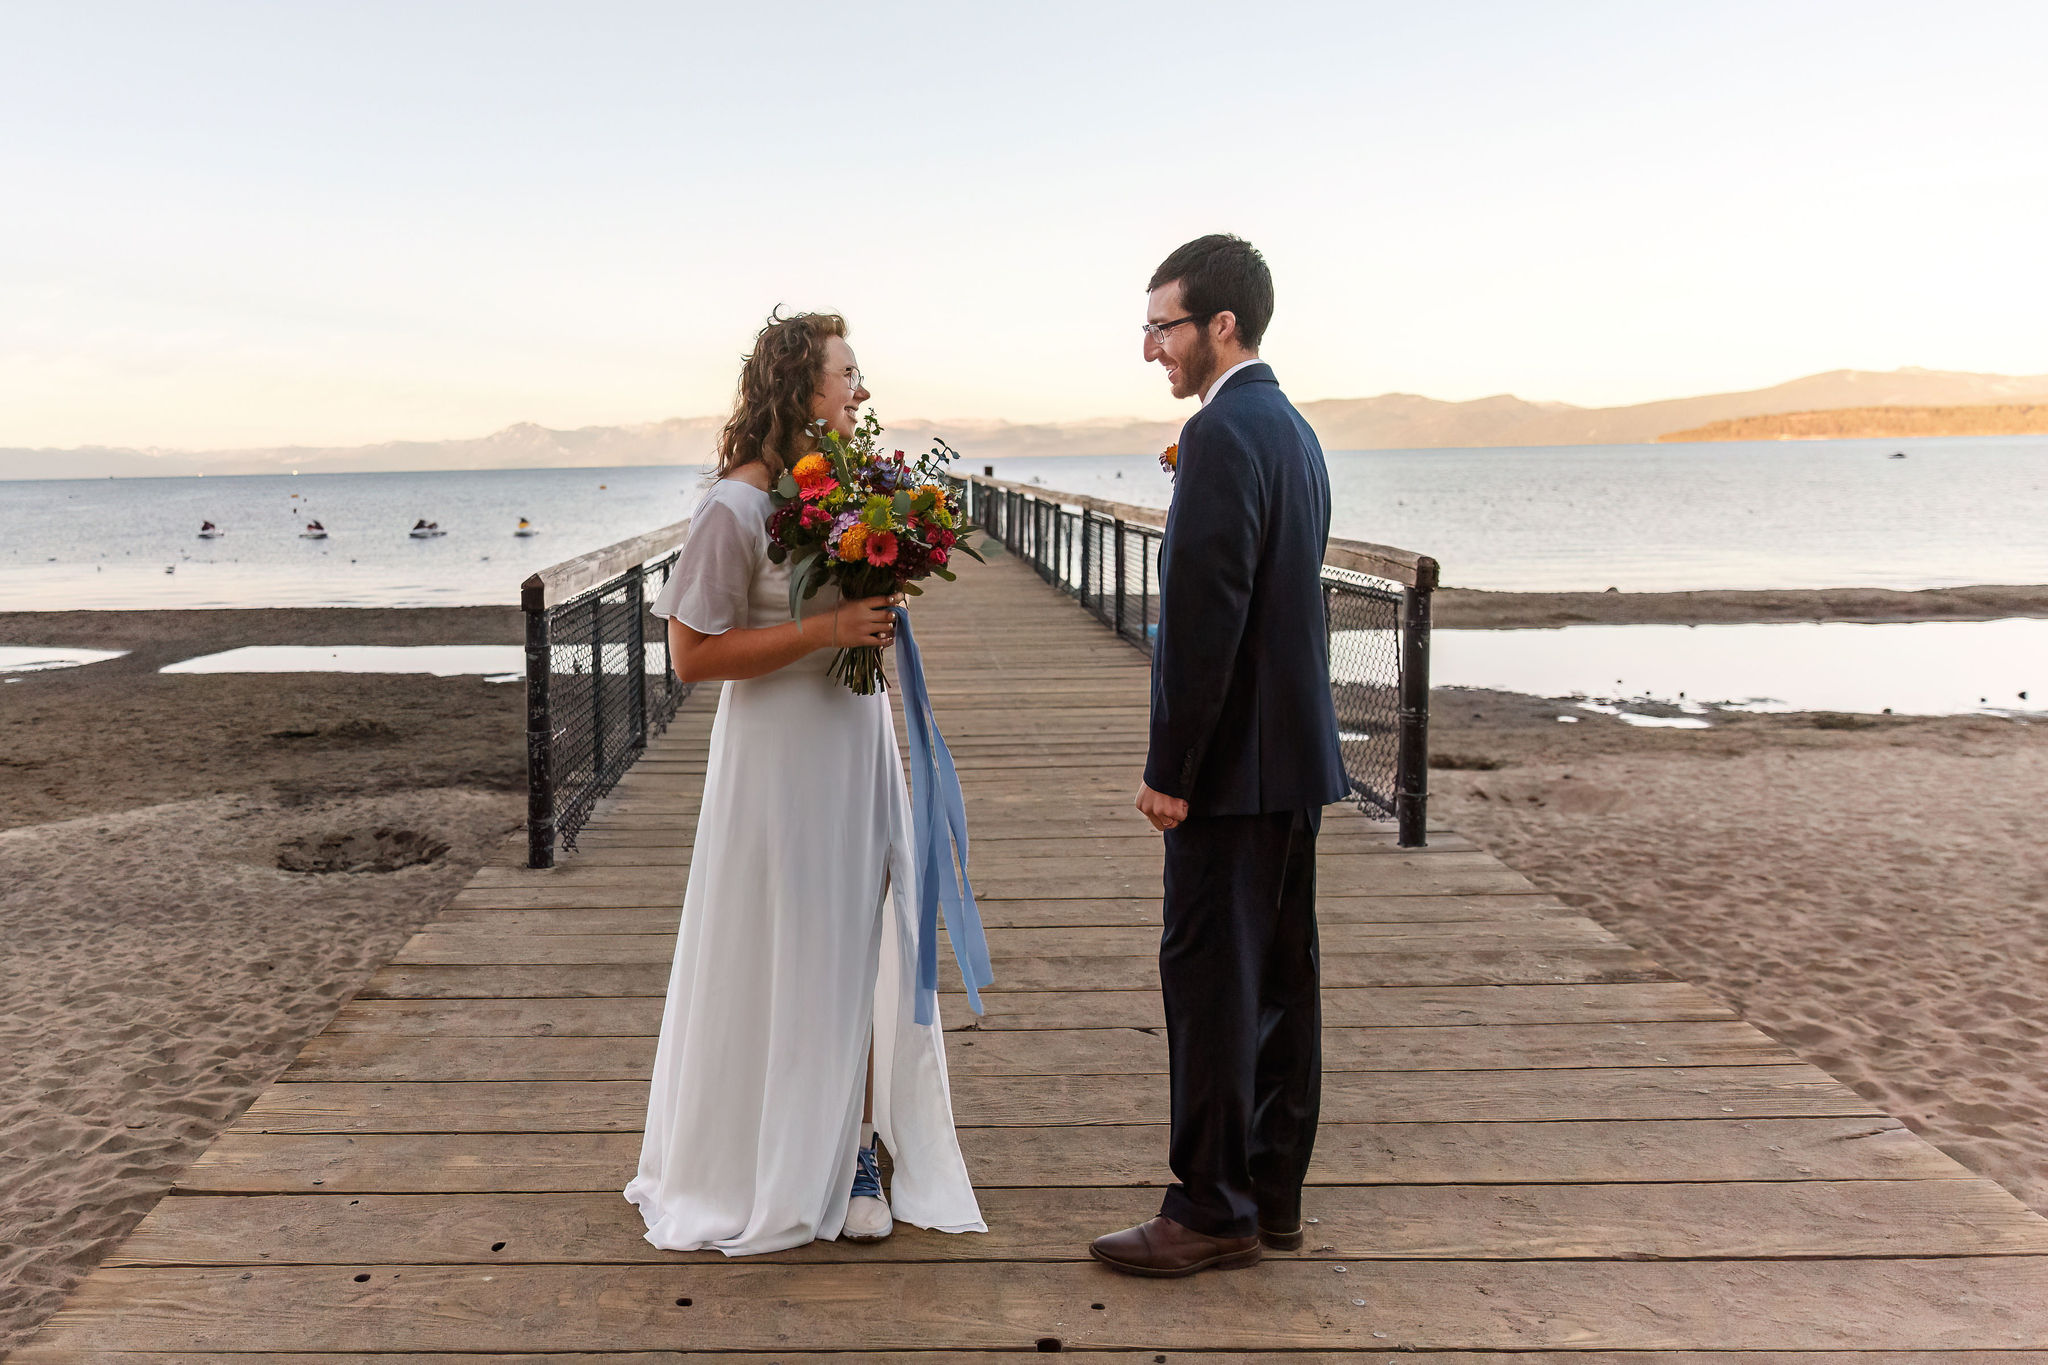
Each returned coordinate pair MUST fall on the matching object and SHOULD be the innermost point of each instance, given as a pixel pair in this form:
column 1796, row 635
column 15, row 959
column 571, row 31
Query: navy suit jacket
column 1242, row 721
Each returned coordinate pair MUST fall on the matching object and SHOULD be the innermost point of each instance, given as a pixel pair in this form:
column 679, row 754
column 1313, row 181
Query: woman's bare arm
column 748, row 653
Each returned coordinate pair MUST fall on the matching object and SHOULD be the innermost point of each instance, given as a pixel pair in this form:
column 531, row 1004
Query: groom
column 1243, row 757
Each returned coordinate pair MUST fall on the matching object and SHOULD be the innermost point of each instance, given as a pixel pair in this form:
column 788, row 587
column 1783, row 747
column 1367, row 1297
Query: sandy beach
column 1869, row 889
column 161, row 967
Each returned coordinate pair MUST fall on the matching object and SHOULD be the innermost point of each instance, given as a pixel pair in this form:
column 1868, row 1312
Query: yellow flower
column 812, row 469
column 853, row 544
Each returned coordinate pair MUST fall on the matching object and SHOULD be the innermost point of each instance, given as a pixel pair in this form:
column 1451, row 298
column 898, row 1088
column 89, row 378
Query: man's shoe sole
column 1282, row 1241
column 1236, row 1260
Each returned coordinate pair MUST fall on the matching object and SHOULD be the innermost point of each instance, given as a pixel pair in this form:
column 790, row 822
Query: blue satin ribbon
column 939, row 824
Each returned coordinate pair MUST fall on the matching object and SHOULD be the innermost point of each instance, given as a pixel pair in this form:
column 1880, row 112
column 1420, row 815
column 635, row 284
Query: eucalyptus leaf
column 969, row 550
column 901, row 503
column 786, row 485
column 796, row 592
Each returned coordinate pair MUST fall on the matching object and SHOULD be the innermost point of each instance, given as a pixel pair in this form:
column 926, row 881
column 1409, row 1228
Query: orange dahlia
column 853, row 543
column 812, row 469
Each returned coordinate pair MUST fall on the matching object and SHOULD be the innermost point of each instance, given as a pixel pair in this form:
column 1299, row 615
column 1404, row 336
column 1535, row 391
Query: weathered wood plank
column 1035, row 944
column 1479, row 967
column 1587, row 1151
column 1038, row 1101
column 1343, row 1006
column 1390, row 874
column 1108, row 1051
column 1429, row 1222
column 58, row 1356
column 1470, row 1305
column 472, row 906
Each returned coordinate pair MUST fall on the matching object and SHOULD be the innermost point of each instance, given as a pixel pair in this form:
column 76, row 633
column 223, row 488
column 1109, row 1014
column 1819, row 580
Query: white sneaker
column 867, row 1215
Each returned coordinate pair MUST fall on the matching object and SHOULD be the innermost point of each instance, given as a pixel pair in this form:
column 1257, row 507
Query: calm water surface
column 1653, row 518
column 1640, row 518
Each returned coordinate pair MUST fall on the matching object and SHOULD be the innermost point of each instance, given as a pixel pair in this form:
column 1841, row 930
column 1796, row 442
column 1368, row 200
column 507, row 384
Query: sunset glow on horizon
column 235, row 225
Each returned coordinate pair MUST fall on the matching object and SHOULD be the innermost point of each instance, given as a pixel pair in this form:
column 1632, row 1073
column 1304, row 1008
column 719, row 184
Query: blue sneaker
column 867, row 1214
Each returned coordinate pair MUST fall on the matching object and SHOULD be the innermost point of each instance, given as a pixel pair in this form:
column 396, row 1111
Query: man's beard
column 1198, row 367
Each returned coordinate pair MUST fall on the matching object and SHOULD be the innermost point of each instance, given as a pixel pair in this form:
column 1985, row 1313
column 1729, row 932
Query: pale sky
column 247, row 224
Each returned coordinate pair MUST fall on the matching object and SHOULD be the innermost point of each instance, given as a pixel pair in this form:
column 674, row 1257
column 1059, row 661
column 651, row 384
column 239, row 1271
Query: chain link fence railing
column 1106, row 556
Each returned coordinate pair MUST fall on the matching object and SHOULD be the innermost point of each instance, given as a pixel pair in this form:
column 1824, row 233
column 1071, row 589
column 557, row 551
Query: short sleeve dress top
column 797, row 945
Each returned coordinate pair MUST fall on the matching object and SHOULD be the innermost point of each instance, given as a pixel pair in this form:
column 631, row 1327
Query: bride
column 788, row 1043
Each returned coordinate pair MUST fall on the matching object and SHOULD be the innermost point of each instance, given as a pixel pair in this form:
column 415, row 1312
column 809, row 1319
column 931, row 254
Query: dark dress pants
column 1238, row 964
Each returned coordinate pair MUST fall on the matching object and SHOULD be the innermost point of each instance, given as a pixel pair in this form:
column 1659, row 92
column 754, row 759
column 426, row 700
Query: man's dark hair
column 1222, row 274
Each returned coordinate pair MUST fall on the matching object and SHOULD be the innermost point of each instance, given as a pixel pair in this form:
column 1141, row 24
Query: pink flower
column 813, row 491
column 882, row 548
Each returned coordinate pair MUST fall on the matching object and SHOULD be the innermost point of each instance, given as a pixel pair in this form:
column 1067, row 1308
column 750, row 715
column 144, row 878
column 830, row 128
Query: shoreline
column 1452, row 609
column 1483, row 609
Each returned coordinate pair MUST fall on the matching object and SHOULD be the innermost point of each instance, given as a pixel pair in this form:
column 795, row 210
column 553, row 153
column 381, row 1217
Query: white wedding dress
column 797, row 945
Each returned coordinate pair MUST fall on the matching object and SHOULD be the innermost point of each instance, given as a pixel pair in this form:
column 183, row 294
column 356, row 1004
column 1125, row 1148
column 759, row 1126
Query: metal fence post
column 1411, row 768
column 596, row 688
column 1145, row 590
column 636, row 654
column 1119, row 576
column 1087, row 522
column 540, row 732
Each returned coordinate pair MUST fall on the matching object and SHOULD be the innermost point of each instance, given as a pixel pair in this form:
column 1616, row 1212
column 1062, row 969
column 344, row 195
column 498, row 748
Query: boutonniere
column 1169, row 459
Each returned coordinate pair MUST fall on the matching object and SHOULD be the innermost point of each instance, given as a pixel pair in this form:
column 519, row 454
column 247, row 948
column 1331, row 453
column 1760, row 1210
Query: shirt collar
column 1223, row 378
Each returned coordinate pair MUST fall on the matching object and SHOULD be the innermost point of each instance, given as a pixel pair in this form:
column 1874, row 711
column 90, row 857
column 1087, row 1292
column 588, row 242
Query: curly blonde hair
column 771, row 415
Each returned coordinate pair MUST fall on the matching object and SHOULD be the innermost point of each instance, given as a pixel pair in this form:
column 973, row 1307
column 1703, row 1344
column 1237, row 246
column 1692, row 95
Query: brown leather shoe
column 1281, row 1241
column 1165, row 1250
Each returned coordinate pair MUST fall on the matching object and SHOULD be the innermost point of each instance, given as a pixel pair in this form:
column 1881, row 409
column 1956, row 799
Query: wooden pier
column 1535, row 1140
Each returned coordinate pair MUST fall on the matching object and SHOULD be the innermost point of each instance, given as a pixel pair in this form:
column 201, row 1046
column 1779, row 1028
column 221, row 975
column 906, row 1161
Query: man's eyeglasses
column 1156, row 331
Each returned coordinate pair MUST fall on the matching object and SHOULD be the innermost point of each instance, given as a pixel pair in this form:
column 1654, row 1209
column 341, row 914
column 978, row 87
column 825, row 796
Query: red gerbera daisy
column 882, row 548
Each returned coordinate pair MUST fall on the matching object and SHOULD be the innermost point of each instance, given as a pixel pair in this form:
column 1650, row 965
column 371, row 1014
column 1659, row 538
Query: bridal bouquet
column 872, row 524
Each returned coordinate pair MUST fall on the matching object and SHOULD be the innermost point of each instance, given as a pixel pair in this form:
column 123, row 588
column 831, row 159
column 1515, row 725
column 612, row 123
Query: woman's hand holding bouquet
column 873, row 525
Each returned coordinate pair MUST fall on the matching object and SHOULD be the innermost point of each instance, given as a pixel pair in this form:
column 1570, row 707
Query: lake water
column 1754, row 515
column 106, row 543
column 1928, row 668
column 1654, row 518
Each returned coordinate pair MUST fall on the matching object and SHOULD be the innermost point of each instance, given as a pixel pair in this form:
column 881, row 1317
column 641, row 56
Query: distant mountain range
column 1833, row 424
column 1393, row 421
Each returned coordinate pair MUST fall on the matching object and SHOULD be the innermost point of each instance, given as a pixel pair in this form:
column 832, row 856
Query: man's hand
column 1163, row 811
